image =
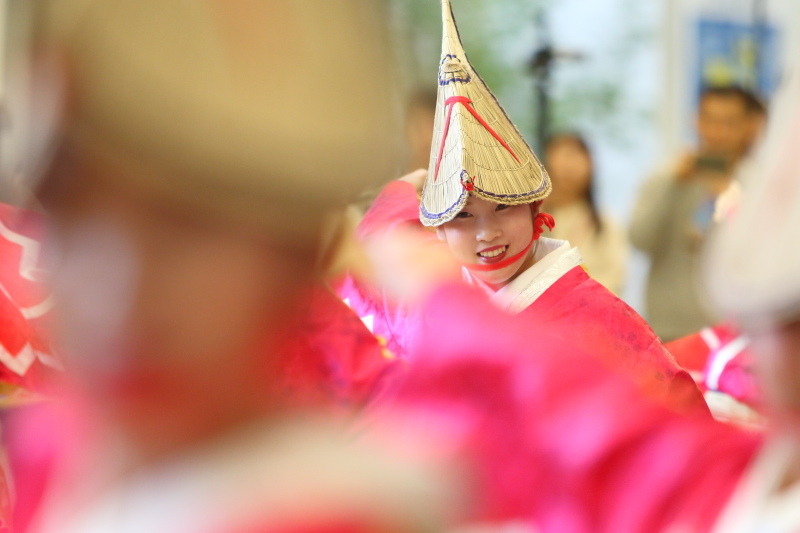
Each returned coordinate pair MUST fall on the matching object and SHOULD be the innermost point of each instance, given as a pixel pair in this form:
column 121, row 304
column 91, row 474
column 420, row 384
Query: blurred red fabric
column 26, row 357
column 556, row 438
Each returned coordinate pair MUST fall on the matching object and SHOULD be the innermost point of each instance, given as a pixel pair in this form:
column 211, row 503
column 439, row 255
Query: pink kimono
column 557, row 440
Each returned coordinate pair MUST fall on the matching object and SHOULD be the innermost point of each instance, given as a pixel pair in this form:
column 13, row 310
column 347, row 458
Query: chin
column 498, row 277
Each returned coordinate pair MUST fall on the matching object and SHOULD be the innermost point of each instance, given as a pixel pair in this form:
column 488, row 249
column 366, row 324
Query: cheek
column 577, row 176
column 583, row 172
column 520, row 225
column 207, row 297
column 211, row 294
column 461, row 241
column 211, row 314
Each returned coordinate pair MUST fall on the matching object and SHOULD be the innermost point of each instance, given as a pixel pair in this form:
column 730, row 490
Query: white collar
column 553, row 258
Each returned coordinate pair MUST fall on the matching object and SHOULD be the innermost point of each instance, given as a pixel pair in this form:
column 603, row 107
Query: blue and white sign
column 730, row 52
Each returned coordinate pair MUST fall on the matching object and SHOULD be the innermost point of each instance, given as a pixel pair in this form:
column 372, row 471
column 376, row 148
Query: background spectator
column 602, row 243
column 675, row 208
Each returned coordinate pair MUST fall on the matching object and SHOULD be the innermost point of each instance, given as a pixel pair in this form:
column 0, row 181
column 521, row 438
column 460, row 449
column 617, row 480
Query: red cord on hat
column 467, row 103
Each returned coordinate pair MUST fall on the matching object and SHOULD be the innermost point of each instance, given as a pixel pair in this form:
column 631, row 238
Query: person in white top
column 603, row 243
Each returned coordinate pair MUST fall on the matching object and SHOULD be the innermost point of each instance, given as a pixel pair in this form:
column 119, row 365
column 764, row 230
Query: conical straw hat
column 476, row 148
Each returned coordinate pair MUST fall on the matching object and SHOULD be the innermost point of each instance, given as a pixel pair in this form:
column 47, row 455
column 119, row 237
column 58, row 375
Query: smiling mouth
column 492, row 255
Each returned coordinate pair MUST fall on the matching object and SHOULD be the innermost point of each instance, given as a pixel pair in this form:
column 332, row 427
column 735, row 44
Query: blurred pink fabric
column 558, row 439
column 329, row 362
column 26, row 358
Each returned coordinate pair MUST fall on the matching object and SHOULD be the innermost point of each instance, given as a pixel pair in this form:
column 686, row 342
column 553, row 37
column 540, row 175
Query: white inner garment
column 553, row 257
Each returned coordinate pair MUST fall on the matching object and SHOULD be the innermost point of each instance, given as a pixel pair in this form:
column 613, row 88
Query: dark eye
column 501, row 207
column 463, row 214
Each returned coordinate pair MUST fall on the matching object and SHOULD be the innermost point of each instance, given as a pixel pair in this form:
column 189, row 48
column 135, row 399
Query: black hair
column 589, row 194
column 752, row 102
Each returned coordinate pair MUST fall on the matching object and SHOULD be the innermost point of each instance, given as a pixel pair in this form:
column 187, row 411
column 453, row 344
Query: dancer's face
column 487, row 234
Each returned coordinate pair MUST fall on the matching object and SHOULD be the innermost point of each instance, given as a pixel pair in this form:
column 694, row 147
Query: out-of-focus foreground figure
column 201, row 146
column 759, row 288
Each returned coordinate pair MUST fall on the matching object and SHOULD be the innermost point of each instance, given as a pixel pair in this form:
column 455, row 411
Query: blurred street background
column 626, row 74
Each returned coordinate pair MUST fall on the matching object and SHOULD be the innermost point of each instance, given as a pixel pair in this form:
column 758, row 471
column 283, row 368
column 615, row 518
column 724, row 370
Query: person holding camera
column 675, row 208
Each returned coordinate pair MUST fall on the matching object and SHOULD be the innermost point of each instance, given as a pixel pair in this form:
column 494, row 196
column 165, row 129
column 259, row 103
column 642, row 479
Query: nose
column 488, row 229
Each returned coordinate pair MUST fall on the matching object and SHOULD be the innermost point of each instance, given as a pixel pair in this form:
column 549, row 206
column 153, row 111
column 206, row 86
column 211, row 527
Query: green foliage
column 596, row 93
column 490, row 31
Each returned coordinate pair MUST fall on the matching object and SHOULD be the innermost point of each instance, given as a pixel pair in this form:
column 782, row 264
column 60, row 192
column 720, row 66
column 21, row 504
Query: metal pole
column 541, row 66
